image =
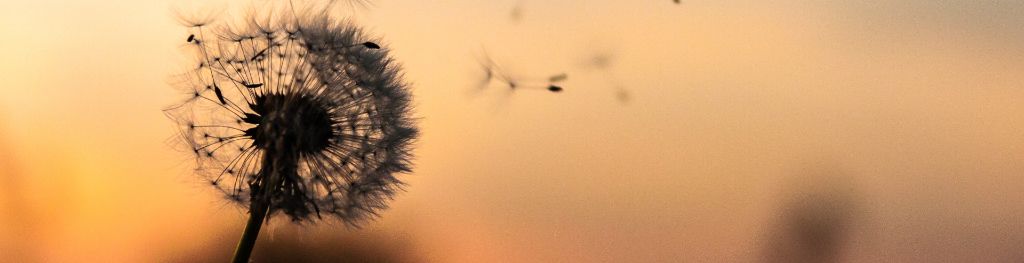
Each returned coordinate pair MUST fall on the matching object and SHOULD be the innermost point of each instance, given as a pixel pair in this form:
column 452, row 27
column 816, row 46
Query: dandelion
column 305, row 118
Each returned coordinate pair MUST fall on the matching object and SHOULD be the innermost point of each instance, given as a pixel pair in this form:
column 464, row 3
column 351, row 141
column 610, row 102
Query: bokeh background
column 705, row 131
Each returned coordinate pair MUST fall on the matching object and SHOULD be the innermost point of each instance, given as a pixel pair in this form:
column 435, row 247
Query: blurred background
column 703, row 131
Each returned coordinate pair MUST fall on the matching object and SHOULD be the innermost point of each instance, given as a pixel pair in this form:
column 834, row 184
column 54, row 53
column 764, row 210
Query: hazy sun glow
column 685, row 133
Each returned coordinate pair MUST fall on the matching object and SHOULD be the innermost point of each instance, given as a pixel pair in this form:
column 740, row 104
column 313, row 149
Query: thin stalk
column 277, row 164
column 258, row 211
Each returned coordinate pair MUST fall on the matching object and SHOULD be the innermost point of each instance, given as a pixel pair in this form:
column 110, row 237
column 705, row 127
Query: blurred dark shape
column 190, row 38
column 554, row 88
column 676, row 1
column 601, row 60
column 622, row 95
column 290, row 244
column 516, row 14
column 814, row 223
column 558, row 78
column 603, row 63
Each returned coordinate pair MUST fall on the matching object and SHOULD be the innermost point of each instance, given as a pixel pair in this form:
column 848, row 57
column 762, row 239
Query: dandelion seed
column 220, row 95
column 318, row 131
column 492, row 71
column 371, row 45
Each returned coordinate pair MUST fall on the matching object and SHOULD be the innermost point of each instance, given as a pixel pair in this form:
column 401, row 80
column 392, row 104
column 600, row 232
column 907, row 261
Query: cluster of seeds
column 306, row 115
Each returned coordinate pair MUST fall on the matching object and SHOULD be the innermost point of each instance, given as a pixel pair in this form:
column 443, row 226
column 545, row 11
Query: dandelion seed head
column 313, row 100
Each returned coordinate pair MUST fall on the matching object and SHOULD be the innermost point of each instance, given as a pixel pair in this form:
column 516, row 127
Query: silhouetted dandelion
column 302, row 117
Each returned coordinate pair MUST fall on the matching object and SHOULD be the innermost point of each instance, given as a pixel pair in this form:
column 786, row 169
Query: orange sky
column 913, row 107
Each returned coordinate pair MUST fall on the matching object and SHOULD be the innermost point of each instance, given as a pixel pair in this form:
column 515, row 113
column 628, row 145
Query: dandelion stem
column 279, row 162
column 258, row 211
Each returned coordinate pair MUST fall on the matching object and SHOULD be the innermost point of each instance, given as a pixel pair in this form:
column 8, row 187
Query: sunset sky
column 686, row 132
